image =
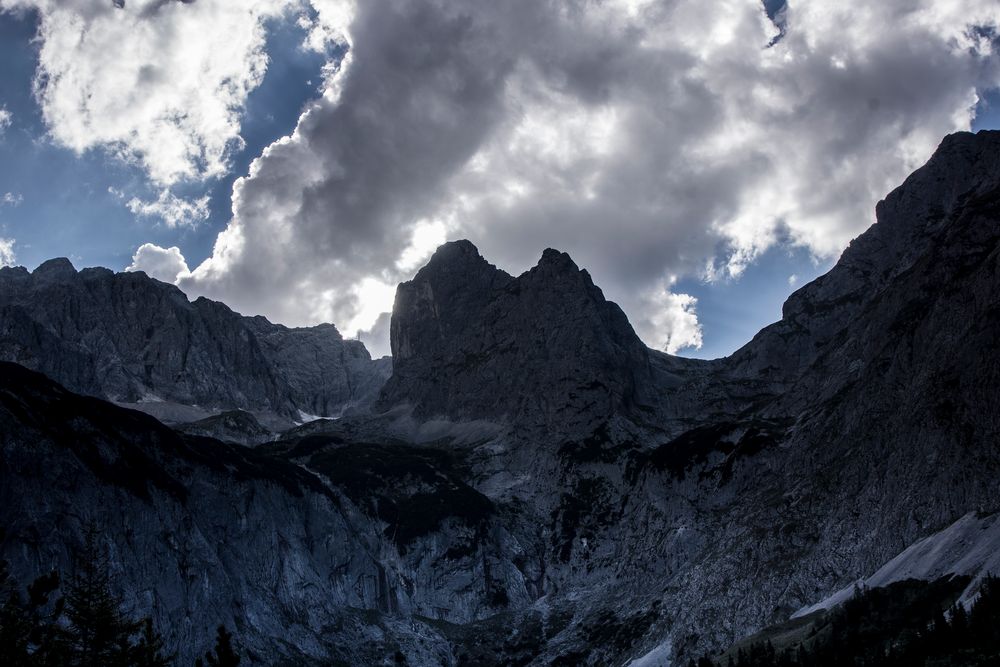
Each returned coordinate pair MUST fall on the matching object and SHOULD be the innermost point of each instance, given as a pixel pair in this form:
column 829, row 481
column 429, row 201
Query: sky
column 299, row 158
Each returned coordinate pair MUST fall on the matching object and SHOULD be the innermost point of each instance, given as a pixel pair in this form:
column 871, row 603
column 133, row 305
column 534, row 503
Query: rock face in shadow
column 943, row 210
column 315, row 551
column 471, row 342
column 130, row 338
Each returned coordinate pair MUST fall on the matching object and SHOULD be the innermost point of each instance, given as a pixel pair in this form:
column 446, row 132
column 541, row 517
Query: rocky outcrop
column 954, row 194
column 236, row 426
column 133, row 339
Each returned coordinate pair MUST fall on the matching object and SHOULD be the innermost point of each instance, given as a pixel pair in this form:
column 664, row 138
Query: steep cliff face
column 471, row 342
column 946, row 203
column 882, row 372
column 323, row 374
column 556, row 493
column 308, row 564
column 132, row 339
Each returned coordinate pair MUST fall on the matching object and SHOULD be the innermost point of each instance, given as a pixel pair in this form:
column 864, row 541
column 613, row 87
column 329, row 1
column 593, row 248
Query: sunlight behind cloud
column 374, row 298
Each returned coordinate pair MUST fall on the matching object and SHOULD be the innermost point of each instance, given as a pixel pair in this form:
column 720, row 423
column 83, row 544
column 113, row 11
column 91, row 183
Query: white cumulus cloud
column 166, row 264
column 376, row 338
column 158, row 83
column 6, row 119
column 669, row 321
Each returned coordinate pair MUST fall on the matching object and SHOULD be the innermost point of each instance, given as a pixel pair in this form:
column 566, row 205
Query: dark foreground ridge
column 535, row 486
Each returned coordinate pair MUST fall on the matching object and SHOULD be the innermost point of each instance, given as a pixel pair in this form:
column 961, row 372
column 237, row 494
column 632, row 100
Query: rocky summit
column 532, row 485
column 546, row 347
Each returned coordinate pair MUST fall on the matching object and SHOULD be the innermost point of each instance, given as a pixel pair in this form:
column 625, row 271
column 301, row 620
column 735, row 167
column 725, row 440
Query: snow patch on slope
column 658, row 657
column 970, row 546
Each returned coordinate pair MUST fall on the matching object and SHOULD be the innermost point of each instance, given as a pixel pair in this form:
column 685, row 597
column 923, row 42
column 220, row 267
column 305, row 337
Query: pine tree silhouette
column 148, row 652
column 98, row 633
column 90, row 630
column 224, row 655
column 29, row 634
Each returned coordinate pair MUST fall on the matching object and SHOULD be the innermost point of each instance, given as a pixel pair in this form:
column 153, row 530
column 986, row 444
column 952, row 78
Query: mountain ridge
column 133, row 339
column 673, row 509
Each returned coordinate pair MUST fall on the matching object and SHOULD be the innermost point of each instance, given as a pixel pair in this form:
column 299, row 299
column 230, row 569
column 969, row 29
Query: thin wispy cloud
column 167, row 207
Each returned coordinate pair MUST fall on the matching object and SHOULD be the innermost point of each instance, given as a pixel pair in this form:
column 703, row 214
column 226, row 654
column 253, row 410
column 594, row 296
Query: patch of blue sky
column 987, row 111
column 294, row 78
column 732, row 311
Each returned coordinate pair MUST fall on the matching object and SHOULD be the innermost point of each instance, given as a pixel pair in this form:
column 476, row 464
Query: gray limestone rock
column 133, row 339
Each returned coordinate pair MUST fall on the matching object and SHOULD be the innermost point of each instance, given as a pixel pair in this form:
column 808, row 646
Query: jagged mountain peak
column 462, row 260
column 461, row 324
column 455, row 262
column 452, row 251
column 557, row 260
column 964, row 169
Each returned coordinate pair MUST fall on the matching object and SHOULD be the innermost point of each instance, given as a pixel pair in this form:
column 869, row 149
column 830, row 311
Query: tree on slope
column 224, row 655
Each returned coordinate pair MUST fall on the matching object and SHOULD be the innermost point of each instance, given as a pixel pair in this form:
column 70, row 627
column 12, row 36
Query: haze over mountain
column 533, row 485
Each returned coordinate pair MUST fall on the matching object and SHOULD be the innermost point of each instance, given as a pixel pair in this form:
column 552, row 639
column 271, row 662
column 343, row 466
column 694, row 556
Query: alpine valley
column 524, row 482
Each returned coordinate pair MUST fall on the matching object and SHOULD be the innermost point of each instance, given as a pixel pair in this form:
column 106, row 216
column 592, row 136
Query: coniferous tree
column 14, row 626
column 29, row 632
column 98, row 633
column 87, row 627
column 224, row 655
column 148, row 651
column 959, row 620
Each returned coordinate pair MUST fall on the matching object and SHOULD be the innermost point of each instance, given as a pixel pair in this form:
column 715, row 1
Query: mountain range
column 524, row 482
column 134, row 340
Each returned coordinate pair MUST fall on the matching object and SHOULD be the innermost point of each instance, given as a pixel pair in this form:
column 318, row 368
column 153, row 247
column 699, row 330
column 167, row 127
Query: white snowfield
column 970, row 546
column 658, row 657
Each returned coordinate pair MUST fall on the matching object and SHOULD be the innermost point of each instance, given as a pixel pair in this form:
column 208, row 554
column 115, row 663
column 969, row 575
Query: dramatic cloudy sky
column 297, row 158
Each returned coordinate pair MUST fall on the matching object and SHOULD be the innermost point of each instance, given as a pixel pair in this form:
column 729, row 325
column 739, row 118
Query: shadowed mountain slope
column 133, row 339
column 541, row 488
